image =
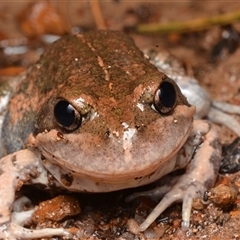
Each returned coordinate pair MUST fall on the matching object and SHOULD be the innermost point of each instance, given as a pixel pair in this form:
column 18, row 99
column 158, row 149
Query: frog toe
column 12, row 231
column 185, row 190
column 167, row 200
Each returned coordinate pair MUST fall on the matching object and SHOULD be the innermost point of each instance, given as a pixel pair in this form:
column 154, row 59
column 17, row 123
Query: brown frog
column 97, row 116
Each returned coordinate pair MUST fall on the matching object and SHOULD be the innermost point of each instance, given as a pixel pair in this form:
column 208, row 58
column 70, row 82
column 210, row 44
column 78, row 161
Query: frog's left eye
column 165, row 97
column 67, row 116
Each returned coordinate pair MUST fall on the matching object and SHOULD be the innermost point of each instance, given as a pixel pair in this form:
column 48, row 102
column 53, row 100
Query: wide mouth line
column 113, row 175
column 98, row 175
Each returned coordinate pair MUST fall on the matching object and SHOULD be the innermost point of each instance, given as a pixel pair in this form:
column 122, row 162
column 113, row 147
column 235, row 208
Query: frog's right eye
column 165, row 97
column 67, row 116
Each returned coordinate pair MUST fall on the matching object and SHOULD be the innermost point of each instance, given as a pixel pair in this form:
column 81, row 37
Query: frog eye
column 165, row 97
column 67, row 116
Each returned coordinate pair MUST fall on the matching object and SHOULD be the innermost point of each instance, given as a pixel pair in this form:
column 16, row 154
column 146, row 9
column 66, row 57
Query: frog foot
column 13, row 231
column 185, row 190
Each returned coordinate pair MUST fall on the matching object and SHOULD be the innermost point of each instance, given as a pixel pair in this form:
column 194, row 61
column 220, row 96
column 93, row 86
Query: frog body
column 99, row 117
column 106, row 93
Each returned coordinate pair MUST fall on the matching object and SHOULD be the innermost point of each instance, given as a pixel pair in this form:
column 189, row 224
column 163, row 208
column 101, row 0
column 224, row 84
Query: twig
column 97, row 14
column 190, row 26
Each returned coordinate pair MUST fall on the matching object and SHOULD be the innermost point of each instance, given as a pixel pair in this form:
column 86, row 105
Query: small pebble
column 56, row 209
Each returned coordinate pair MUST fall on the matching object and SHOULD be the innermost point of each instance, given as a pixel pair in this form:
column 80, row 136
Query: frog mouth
column 92, row 177
column 89, row 182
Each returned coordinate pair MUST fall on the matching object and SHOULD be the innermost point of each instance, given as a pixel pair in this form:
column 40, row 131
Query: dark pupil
column 167, row 94
column 64, row 113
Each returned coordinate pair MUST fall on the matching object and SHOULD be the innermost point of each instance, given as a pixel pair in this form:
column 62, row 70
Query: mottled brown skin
column 110, row 74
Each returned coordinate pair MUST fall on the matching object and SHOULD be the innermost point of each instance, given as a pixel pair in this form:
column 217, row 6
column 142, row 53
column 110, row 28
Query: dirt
column 107, row 216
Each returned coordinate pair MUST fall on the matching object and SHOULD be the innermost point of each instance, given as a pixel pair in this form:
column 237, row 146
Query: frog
column 95, row 115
